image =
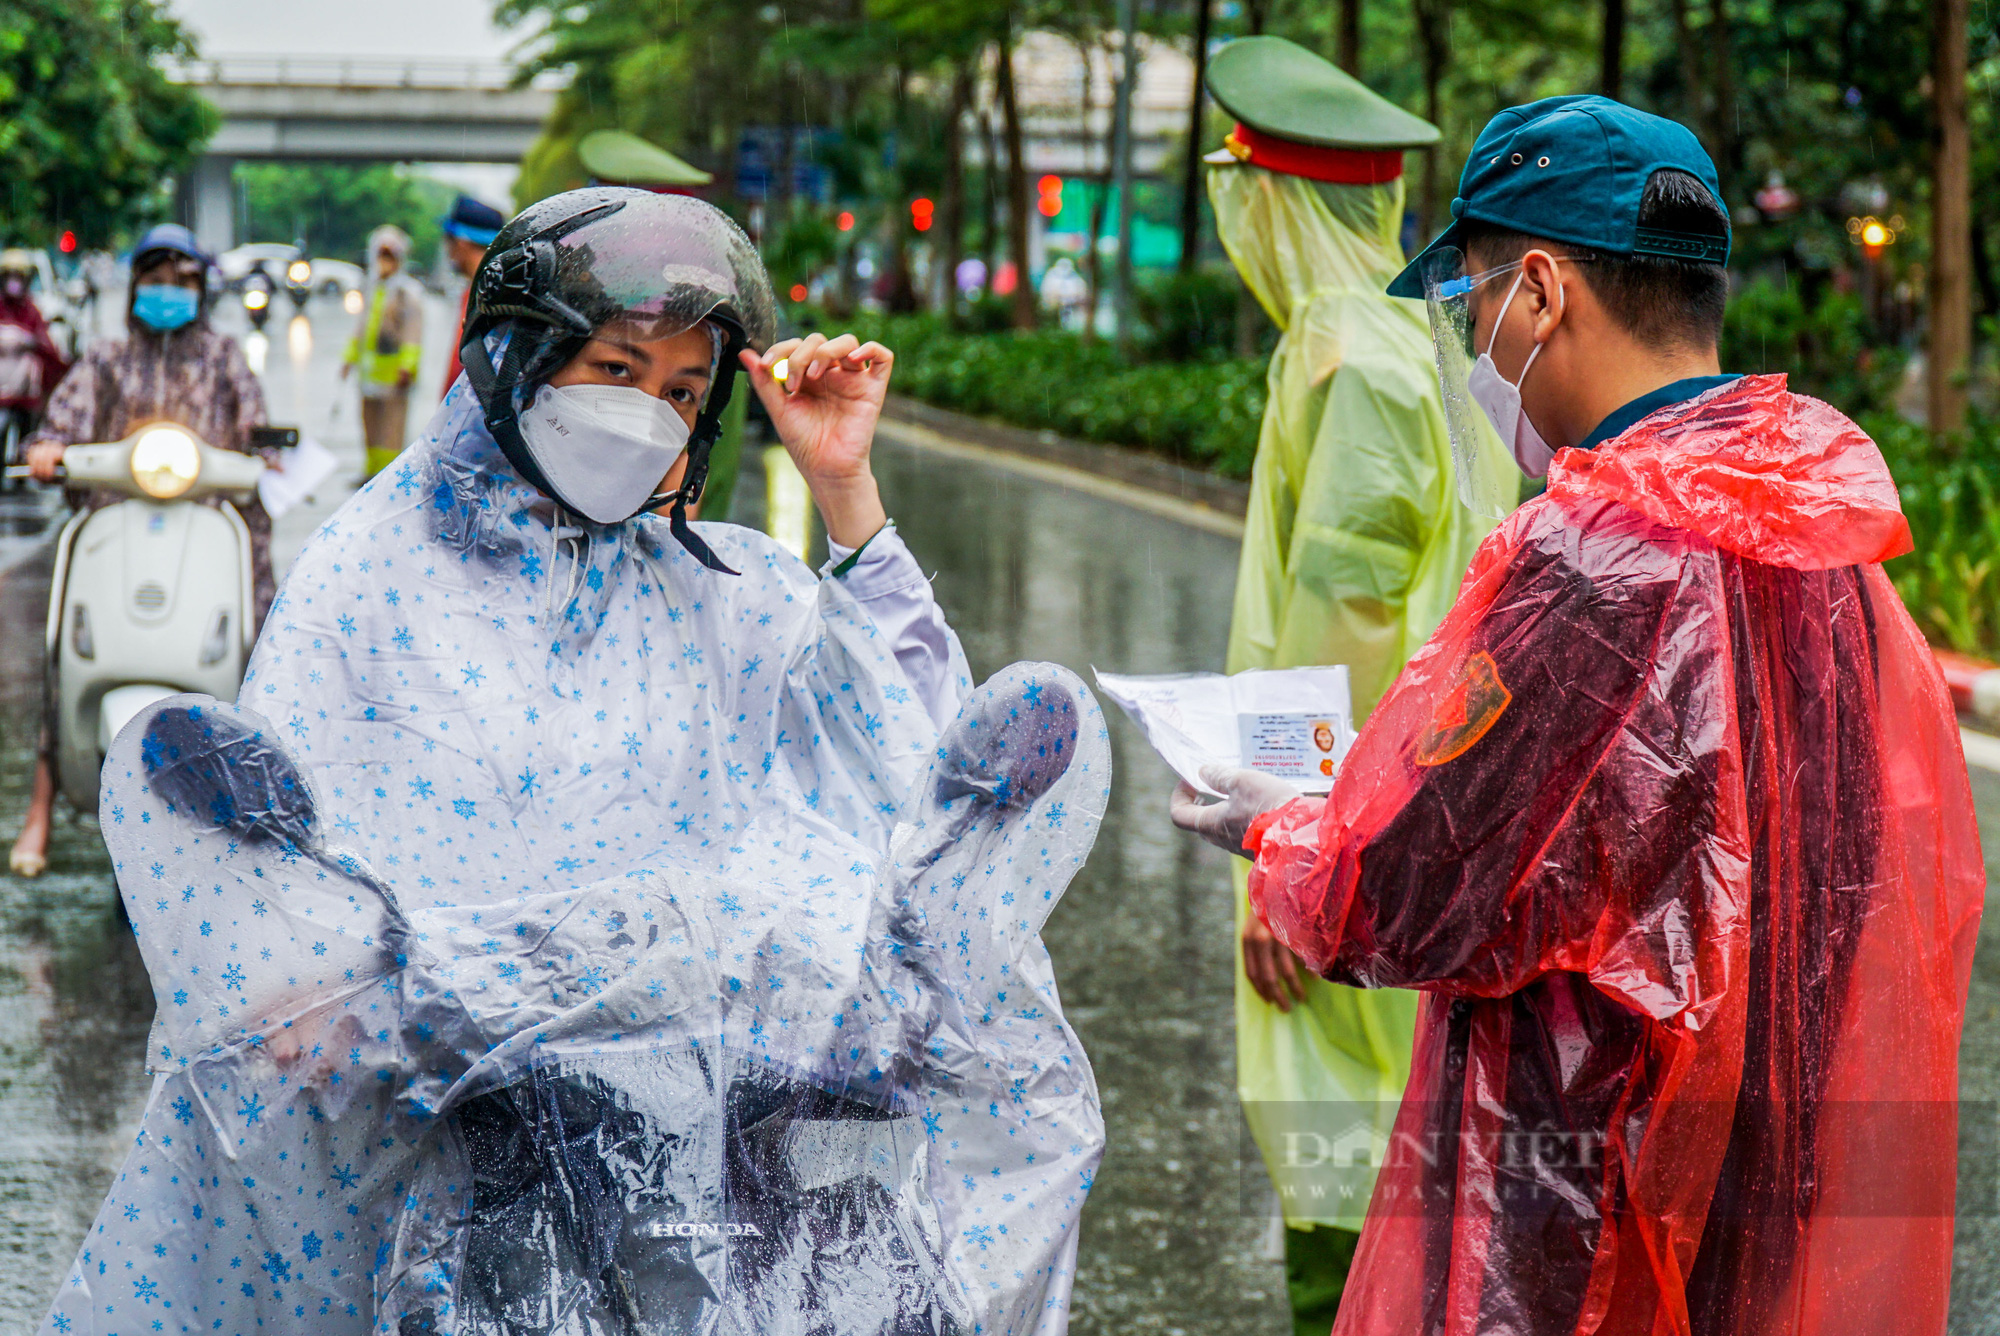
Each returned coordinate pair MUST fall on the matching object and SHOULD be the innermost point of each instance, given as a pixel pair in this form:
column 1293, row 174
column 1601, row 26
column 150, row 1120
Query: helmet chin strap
column 707, row 428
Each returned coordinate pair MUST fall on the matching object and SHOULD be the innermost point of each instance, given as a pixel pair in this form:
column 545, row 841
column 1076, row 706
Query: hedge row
column 1206, row 414
column 1951, row 496
column 1203, row 414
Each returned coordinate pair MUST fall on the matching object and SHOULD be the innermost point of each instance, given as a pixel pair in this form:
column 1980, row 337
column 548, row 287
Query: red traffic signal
column 845, row 222
column 1050, row 204
column 921, row 212
column 67, row 242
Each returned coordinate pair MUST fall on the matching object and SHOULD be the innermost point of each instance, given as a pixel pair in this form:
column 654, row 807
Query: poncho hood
column 1755, row 469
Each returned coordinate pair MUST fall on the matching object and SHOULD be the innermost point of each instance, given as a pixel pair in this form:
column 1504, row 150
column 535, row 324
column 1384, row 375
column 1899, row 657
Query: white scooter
column 152, row 596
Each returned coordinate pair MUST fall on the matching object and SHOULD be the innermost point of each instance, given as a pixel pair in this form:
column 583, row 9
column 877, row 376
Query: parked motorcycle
column 151, row 596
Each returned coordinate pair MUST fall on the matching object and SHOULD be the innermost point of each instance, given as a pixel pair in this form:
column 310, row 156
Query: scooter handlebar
column 113, row 465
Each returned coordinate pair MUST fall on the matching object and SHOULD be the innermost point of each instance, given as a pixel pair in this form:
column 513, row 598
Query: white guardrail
column 352, row 72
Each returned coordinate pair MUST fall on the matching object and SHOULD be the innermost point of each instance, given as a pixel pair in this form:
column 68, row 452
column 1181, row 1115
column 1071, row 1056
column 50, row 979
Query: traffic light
column 845, row 222
column 67, row 242
column 1051, row 202
column 1873, row 235
column 921, row 211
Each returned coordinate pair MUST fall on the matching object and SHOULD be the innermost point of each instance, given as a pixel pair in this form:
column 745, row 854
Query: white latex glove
column 1248, row 794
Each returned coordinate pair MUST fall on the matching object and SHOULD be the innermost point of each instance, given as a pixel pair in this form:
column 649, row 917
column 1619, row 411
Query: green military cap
column 1288, row 101
column 614, row 157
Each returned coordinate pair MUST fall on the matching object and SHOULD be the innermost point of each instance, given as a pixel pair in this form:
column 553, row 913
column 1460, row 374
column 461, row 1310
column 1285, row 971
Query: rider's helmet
column 171, row 239
column 17, row 273
column 572, row 264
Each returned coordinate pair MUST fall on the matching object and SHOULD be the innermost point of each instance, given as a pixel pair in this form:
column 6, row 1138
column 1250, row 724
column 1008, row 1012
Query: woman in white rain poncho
column 531, row 950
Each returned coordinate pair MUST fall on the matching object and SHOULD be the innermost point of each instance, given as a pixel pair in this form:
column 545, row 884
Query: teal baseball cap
column 1573, row 169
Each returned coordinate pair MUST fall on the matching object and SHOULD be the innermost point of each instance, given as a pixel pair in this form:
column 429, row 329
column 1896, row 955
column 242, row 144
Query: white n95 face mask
column 1501, row 402
column 603, row 448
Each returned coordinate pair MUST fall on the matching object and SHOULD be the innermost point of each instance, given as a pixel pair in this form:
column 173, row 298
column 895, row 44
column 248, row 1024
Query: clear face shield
column 1489, row 484
column 659, row 265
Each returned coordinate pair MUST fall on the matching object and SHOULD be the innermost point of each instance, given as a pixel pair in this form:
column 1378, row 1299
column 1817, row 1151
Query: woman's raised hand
column 825, row 411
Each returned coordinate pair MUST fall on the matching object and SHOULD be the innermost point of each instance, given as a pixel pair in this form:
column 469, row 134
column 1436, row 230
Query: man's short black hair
column 1677, row 303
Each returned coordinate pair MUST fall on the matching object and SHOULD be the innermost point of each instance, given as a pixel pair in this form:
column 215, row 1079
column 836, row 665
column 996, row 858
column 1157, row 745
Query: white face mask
column 603, row 448
column 1501, row 402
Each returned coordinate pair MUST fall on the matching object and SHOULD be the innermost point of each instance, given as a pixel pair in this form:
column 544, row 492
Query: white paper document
column 306, row 466
column 1294, row 724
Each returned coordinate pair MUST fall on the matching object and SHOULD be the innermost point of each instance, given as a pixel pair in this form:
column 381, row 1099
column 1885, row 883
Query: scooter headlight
column 299, row 272
column 165, row 462
column 256, row 299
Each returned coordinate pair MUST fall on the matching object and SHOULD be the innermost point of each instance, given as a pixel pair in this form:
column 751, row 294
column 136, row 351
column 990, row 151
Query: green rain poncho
column 1352, row 553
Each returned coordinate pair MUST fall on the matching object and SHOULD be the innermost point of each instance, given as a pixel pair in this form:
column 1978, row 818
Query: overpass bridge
column 293, row 108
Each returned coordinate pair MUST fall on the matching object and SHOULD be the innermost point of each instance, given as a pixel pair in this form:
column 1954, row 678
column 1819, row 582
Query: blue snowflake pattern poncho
column 560, row 937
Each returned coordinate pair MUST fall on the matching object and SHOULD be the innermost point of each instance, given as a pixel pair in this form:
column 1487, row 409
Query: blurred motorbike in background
column 151, row 596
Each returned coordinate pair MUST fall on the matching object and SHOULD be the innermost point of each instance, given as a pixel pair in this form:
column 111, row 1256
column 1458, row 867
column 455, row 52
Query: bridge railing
column 351, row 72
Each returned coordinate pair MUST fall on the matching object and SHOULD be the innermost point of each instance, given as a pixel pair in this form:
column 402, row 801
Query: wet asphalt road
column 1172, row 1240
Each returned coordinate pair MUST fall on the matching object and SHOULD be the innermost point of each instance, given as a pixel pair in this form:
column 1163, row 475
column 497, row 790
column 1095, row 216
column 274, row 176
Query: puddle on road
column 1143, row 941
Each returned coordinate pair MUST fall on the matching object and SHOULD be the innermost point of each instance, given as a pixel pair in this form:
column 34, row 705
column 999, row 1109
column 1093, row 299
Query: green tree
column 332, row 206
column 884, row 85
column 90, row 126
column 683, row 73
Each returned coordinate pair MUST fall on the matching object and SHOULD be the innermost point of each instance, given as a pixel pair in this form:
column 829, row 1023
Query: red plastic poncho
column 1671, row 824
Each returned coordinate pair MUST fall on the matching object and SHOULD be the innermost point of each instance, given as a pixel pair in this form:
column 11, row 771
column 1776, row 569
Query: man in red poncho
column 1669, row 821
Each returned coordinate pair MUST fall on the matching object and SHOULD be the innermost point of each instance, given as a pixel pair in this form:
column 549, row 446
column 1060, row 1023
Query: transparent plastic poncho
column 1353, row 551
column 652, row 965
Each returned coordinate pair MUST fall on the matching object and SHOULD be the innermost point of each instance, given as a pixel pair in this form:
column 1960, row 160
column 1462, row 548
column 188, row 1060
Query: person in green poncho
column 1352, row 553
column 387, row 347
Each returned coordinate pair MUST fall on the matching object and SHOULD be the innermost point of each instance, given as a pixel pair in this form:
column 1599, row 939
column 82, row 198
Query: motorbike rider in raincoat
column 1669, row 821
column 1354, row 546
column 171, row 364
column 590, row 920
column 30, row 362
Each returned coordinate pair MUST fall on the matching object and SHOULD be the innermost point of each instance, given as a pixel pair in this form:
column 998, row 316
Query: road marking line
column 1981, row 749
column 1194, row 514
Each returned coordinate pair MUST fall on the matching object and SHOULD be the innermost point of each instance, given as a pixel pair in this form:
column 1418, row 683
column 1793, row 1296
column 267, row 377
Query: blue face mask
column 165, row 306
